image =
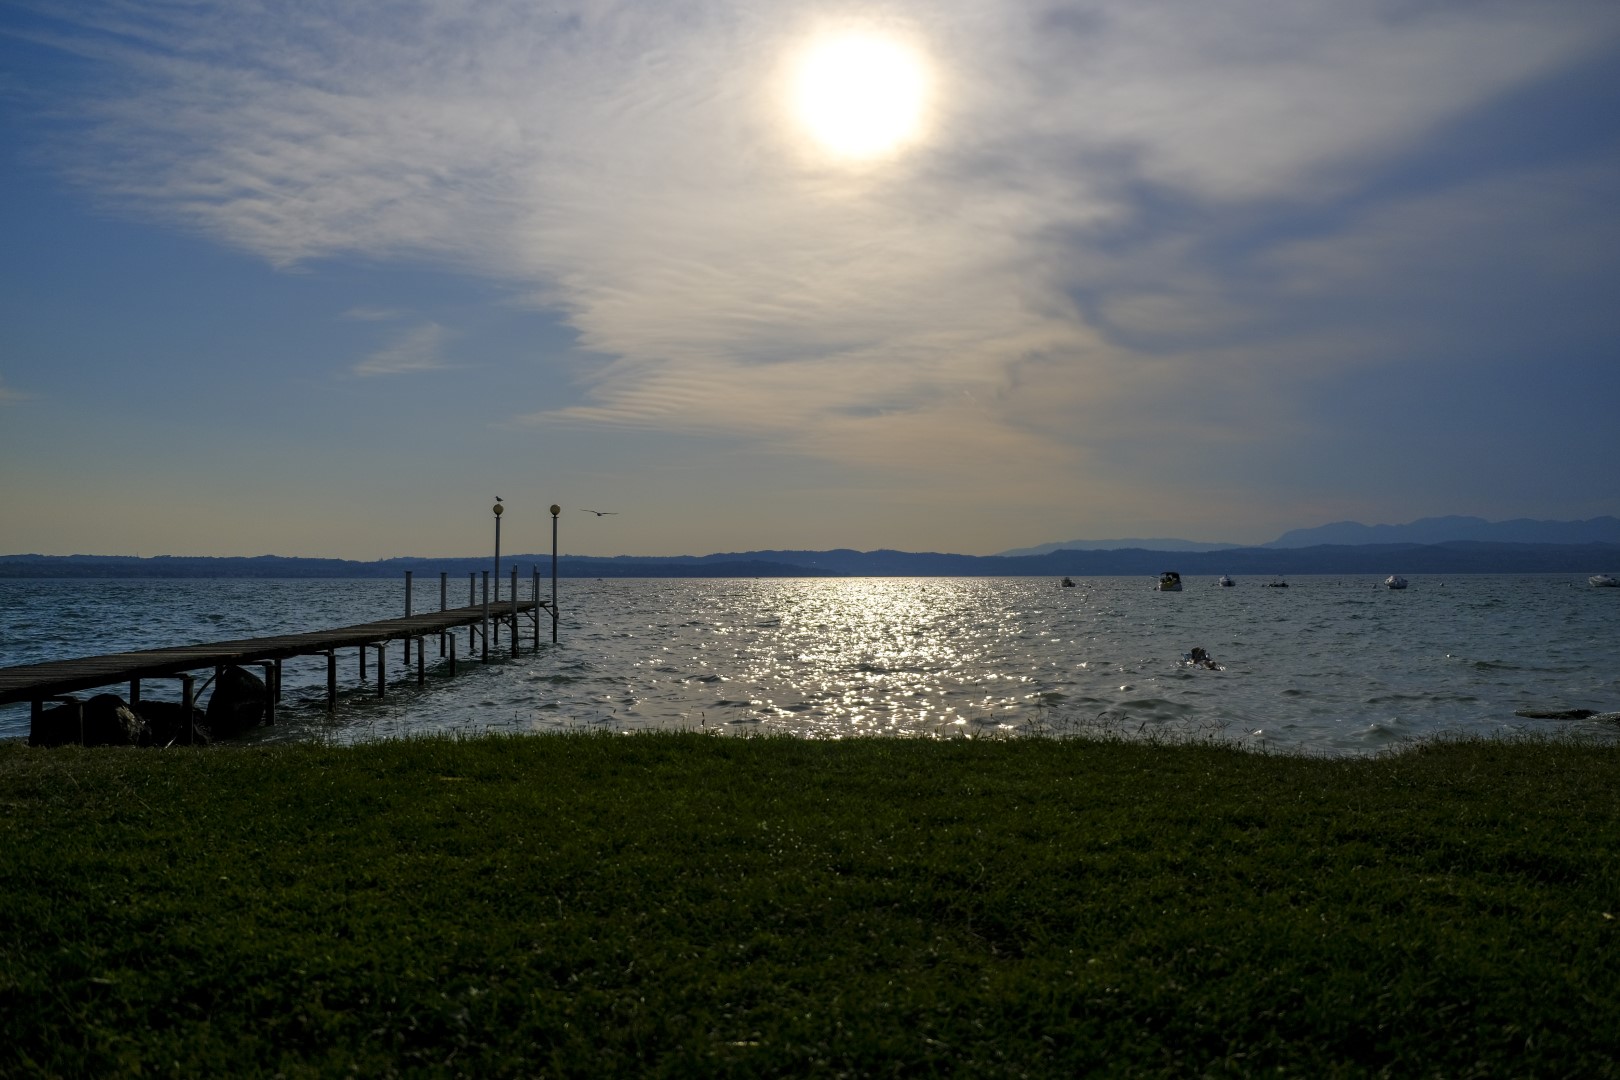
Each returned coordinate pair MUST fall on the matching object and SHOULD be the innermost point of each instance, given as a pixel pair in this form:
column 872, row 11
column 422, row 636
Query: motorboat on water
column 1169, row 581
column 1226, row 581
column 1068, row 583
column 1603, row 581
column 1278, row 584
column 1394, row 581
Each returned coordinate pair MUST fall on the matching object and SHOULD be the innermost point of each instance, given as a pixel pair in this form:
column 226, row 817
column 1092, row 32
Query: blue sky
column 278, row 280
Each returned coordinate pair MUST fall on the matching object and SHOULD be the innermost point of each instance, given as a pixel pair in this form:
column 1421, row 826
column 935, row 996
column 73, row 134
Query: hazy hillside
column 1432, row 530
column 1442, row 530
column 1156, row 543
column 1464, row 557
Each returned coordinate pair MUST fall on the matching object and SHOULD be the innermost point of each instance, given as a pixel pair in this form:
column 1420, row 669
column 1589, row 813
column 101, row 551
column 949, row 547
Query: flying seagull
column 600, row 513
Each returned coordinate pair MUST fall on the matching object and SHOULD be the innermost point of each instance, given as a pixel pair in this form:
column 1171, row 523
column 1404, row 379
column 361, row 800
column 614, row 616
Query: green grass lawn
column 693, row 906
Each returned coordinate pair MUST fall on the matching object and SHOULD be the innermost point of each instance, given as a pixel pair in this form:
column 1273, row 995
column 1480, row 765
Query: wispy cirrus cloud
column 420, row 348
column 1112, row 198
column 374, row 314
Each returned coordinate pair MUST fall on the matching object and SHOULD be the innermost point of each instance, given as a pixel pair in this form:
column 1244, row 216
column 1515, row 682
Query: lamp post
column 555, row 510
column 499, row 509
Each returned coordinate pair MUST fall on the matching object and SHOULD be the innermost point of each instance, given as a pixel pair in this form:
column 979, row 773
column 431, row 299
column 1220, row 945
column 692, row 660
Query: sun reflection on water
column 850, row 657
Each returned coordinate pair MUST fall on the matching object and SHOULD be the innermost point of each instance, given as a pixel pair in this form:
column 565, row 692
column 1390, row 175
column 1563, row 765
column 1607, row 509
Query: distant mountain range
column 1444, row 530
column 1462, row 557
column 1444, row 545
column 1433, row 530
column 1157, row 543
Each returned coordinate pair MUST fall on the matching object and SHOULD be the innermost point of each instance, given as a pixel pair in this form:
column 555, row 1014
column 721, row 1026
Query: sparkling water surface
column 1334, row 665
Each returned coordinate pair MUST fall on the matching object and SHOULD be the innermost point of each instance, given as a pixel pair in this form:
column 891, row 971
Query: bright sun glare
column 860, row 95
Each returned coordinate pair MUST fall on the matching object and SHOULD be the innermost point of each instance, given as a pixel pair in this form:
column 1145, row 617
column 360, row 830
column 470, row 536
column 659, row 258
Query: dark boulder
column 104, row 720
column 166, row 724
column 59, row 726
column 240, row 701
column 109, row 721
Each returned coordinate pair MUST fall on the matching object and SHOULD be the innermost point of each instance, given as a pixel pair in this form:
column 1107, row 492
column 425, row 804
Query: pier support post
column 331, row 680
column 135, row 694
column 555, row 510
column 407, row 615
column 484, row 630
column 188, row 701
column 452, row 654
column 514, row 614
column 270, row 694
column 421, row 664
column 444, row 604
column 363, row 663
column 382, row 675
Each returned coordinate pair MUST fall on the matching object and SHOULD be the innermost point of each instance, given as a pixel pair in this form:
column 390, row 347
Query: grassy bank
column 682, row 905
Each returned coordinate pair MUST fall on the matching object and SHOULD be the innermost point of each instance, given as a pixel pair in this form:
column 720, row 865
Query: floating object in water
column 1603, row 581
column 1169, row 581
column 1394, row 581
column 1556, row 714
column 1226, row 581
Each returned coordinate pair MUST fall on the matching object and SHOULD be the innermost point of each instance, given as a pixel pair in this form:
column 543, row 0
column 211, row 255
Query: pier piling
column 407, row 641
column 483, row 633
column 270, row 690
column 188, row 702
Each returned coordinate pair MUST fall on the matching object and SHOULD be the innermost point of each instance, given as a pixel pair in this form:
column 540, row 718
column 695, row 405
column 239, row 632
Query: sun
column 861, row 95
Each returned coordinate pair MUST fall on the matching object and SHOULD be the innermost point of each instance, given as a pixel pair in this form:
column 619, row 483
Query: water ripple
column 1337, row 666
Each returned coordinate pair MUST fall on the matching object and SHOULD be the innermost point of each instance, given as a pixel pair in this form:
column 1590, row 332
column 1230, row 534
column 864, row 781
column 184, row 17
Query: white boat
column 1395, row 581
column 1169, row 581
column 1603, row 581
column 1227, row 582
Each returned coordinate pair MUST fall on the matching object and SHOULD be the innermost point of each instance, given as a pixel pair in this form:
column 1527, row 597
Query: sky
column 935, row 275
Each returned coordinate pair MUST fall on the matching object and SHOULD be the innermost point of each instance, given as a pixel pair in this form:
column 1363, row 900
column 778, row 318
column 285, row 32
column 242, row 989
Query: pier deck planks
column 37, row 682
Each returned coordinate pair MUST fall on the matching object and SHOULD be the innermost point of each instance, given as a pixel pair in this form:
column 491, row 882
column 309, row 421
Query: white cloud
column 374, row 314
column 417, row 349
column 632, row 165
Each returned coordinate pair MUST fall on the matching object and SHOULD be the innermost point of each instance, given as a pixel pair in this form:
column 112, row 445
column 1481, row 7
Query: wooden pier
column 487, row 623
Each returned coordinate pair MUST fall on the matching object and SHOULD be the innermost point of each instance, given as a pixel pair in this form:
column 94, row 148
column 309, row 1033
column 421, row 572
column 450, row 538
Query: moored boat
column 1394, row 581
column 1603, row 581
column 1226, row 581
column 1169, row 581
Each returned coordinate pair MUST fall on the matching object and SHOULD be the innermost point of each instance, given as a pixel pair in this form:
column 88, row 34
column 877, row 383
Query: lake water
column 1336, row 665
